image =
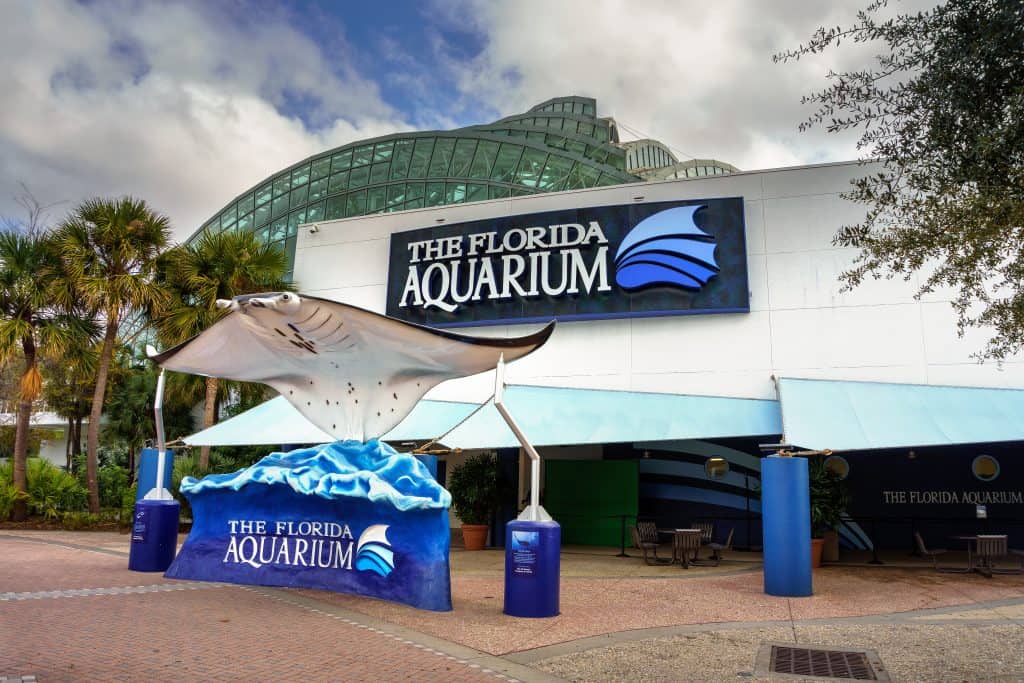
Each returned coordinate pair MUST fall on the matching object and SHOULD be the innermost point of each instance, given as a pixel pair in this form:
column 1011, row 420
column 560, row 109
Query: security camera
column 313, row 229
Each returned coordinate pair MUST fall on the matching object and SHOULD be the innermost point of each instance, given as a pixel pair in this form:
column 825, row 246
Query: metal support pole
column 499, row 391
column 874, row 543
column 158, row 492
column 622, row 536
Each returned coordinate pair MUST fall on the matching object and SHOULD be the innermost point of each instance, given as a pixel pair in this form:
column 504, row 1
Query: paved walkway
column 70, row 610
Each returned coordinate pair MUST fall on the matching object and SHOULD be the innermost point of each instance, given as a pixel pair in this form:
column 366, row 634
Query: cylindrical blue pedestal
column 147, row 471
column 154, row 535
column 786, row 516
column 532, row 568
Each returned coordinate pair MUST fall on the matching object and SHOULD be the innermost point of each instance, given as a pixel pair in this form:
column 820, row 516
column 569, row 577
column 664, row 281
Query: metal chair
column 707, row 531
column 988, row 548
column 685, row 546
column 643, row 540
column 935, row 552
column 718, row 548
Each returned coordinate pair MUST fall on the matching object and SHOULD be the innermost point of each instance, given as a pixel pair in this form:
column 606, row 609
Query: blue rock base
column 268, row 534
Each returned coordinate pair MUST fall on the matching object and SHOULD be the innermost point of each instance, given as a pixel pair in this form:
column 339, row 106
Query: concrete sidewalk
column 71, row 610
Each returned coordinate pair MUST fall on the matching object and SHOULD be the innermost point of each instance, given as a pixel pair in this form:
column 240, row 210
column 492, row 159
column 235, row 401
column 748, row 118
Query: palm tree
column 110, row 249
column 33, row 326
column 217, row 266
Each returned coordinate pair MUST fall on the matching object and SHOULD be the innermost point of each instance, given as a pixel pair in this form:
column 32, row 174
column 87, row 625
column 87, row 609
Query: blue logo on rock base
column 666, row 249
column 373, row 552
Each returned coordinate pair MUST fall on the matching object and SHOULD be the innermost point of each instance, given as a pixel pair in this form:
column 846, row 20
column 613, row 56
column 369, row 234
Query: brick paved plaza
column 70, row 610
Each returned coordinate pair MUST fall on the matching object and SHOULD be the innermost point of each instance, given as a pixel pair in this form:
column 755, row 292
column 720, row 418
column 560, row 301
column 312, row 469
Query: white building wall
column 800, row 324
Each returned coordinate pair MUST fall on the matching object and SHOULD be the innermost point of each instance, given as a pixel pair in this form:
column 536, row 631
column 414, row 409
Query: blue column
column 786, row 519
column 532, row 568
column 147, row 471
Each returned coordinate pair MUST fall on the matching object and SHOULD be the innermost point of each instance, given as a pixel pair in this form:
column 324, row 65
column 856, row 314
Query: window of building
column 462, row 158
column 505, row 165
column 441, row 161
column 421, row 157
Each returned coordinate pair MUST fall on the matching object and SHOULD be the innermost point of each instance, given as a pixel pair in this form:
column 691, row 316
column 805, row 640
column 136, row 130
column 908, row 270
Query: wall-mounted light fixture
column 439, row 220
column 638, row 198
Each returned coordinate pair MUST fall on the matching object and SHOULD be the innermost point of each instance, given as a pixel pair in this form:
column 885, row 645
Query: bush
column 185, row 467
column 51, row 490
column 8, row 494
column 475, row 489
column 112, row 481
column 73, row 521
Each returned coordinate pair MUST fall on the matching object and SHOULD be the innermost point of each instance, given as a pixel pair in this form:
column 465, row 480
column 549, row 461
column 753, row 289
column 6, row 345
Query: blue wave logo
column 373, row 551
column 666, row 249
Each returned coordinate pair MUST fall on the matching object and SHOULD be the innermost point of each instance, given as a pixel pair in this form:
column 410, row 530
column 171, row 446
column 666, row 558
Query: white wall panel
column 753, row 218
column 810, row 279
column 847, row 337
column 718, row 382
column 757, row 282
column 818, row 180
column 354, row 264
column 582, row 348
column 806, row 223
column 701, row 342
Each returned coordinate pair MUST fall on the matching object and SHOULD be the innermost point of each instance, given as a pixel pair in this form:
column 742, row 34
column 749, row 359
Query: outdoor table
column 983, row 566
column 678, row 533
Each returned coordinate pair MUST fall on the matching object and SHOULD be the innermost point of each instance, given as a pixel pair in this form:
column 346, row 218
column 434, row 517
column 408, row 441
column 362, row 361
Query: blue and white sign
column 347, row 516
column 665, row 258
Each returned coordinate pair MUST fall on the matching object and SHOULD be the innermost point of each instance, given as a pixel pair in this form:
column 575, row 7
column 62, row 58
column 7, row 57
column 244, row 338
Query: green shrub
column 187, row 466
column 51, row 490
column 8, row 494
column 73, row 521
column 112, row 481
column 124, row 515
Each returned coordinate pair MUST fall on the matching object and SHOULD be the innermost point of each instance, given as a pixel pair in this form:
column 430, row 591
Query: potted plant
column 829, row 499
column 475, row 496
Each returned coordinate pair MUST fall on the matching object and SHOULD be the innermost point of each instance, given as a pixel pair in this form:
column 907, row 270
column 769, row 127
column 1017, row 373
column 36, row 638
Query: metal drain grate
column 820, row 663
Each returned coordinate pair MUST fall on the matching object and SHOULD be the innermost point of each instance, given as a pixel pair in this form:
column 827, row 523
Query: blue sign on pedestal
column 154, row 535
column 786, row 516
column 348, row 516
column 532, row 568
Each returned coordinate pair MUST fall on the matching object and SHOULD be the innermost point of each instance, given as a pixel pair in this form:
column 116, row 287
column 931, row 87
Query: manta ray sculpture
column 353, row 373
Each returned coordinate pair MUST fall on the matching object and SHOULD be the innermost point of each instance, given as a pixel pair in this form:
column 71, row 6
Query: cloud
column 176, row 103
column 697, row 76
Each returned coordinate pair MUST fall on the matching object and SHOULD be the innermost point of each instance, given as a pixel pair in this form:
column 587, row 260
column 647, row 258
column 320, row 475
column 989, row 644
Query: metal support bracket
column 158, row 492
column 534, row 512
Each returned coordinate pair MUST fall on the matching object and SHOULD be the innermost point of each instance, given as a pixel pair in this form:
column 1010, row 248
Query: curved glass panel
column 557, row 145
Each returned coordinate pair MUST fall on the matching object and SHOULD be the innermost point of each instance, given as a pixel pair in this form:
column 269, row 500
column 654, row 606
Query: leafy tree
column 109, row 249
column 68, row 386
column 217, row 266
column 942, row 108
column 32, row 327
column 130, row 419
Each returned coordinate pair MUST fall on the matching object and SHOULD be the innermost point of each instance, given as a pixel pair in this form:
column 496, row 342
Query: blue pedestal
column 154, row 535
column 147, row 471
column 532, row 568
column 786, row 516
column 349, row 516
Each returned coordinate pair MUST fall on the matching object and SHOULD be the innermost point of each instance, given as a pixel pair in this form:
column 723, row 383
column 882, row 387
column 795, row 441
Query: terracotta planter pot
column 816, row 547
column 474, row 536
column 830, row 552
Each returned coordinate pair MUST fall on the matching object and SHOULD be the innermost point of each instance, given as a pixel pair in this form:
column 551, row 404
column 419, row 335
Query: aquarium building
column 700, row 318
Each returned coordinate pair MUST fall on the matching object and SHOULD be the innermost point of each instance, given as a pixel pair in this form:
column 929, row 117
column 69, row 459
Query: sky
column 187, row 104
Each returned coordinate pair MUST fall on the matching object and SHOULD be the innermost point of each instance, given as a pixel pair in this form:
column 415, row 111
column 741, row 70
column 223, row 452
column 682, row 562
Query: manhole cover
column 786, row 659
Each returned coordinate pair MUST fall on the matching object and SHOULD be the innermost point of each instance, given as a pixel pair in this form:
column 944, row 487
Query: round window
column 985, row 467
column 716, row 467
column 838, row 465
